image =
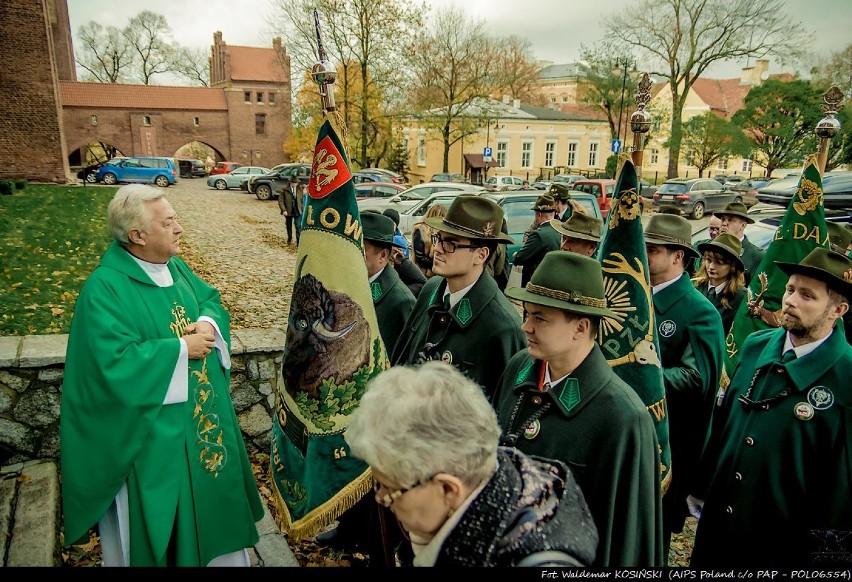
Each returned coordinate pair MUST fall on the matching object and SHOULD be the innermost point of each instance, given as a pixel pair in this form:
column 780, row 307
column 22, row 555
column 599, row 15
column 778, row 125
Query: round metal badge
column 532, row 430
column 820, row 397
column 447, row 357
column 667, row 328
column 803, row 411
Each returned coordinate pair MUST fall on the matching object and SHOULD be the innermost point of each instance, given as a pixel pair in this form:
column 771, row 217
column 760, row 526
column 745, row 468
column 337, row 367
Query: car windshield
column 668, row 188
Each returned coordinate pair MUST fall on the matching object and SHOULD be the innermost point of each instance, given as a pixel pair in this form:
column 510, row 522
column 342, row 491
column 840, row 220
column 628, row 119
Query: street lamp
column 624, row 63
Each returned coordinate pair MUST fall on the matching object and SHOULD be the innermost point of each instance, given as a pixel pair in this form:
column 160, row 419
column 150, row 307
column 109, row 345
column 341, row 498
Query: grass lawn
column 51, row 237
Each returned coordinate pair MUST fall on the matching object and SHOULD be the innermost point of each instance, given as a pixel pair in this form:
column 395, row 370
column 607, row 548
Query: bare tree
column 837, row 71
column 605, row 86
column 514, row 70
column 152, row 53
column 105, row 56
column 449, row 75
column 687, row 36
column 192, row 64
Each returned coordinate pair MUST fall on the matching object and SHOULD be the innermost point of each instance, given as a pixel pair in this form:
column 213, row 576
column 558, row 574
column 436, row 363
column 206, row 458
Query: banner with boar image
column 332, row 350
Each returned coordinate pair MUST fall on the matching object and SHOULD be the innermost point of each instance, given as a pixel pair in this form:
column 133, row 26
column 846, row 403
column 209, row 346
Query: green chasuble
column 185, row 464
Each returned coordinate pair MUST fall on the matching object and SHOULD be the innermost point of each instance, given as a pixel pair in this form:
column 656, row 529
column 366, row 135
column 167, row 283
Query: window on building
column 196, row 122
column 260, row 124
column 247, row 96
column 722, row 164
column 526, row 154
column 553, row 98
column 94, row 119
column 654, row 158
column 549, row 154
column 593, row 154
column 271, row 98
column 565, row 98
column 146, row 120
column 502, row 156
column 572, row 154
column 421, row 150
column 260, row 97
column 746, row 166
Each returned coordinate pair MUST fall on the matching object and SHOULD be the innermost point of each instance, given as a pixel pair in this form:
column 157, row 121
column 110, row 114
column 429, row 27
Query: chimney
column 755, row 75
column 516, row 104
column 506, row 99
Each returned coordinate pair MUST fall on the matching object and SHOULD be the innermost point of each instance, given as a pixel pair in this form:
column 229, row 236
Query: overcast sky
column 556, row 28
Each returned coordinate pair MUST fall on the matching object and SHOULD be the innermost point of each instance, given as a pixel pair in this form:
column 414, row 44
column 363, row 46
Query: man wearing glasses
column 780, row 466
column 461, row 317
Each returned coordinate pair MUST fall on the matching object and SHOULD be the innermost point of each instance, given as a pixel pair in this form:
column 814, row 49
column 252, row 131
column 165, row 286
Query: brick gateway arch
column 50, row 117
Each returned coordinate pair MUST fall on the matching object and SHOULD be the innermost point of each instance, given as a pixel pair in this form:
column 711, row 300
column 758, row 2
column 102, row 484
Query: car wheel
column 221, row 185
column 697, row 211
column 263, row 192
column 91, row 178
column 109, row 179
column 161, row 181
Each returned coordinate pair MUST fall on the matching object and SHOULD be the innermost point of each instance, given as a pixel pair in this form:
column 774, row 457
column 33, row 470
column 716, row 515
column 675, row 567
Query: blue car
column 148, row 170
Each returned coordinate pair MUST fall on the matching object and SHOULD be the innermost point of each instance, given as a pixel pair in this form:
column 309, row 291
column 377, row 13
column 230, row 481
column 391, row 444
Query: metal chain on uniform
column 766, row 404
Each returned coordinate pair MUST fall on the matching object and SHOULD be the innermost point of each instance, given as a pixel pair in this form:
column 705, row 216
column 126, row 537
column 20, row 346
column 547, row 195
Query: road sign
column 616, row 146
column 486, row 154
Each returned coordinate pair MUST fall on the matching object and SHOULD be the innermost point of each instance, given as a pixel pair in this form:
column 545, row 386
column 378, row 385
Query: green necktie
column 788, row 356
column 447, row 302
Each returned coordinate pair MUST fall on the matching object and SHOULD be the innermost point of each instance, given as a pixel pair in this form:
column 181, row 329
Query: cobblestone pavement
column 238, row 244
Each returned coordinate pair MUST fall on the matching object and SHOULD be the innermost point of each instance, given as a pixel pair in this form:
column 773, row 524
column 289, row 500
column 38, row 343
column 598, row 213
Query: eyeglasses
column 450, row 246
column 387, row 499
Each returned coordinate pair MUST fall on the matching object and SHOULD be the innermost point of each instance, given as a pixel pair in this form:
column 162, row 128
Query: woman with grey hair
column 430, row 437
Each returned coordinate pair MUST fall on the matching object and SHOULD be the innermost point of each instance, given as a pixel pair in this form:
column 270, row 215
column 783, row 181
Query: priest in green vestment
column 151, row 450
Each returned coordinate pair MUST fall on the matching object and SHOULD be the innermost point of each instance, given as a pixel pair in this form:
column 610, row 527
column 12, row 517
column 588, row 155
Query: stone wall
column 31, row 369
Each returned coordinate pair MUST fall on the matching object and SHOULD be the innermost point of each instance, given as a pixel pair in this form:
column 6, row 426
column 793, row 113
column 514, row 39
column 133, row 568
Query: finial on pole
column 640, row 121
column 323, row 72
column 829, row 125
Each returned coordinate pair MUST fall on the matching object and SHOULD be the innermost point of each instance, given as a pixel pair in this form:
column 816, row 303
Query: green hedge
column 20, row 184
column 6, row 187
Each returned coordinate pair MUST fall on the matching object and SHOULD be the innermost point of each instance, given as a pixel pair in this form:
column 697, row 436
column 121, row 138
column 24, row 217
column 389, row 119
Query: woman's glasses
column 392, row 495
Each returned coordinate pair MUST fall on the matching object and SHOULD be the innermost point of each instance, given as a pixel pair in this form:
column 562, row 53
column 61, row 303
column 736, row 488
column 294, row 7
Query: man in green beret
column 734, row 220
column 779, row 472
column 540, row 240
column 461, row 316
column 560, row 399
column 561, row 194
column 691, row 351
column 581, row 233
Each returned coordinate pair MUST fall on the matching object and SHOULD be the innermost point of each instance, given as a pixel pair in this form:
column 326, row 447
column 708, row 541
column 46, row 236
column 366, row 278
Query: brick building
column 47, row 117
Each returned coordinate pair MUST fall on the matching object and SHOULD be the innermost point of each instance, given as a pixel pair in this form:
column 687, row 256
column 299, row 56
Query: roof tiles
column 121, row 96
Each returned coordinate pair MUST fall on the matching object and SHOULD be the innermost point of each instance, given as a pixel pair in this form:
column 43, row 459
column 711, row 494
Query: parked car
column 748, row 188
column 268, row 186
column 367, row 190
column 148, row 170
column 447, row 177
column 89, row 174
column 235, row 178
column 191, row 168
column 224, row 168
column 542, row 184
column 362, row 176
column 836, row 188
column 503, row 183
column 601, row 188
column 733, row 180
column 389, row 175
column 414, row 194
column 411, row 215
column 695, row 196
column 566, row 178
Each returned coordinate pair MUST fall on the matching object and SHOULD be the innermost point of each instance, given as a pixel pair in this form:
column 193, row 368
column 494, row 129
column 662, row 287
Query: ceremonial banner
column 802, row 229
column 630, row 341
column 332, row 349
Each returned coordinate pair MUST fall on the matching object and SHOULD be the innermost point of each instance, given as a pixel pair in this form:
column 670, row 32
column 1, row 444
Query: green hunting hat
column 581, row 226
column 474, row 217
column 735, row 209
column 560, row 192
column 670, row 230
column 568, row 281
column 727, row 243
column 669, row 209
column 545, row 203
column 824, row 265
column 840, row 237
column 378, row 228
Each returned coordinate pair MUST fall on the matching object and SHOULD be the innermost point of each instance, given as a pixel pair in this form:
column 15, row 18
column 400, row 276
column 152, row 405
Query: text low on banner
column 332, row 350
column 630, row 341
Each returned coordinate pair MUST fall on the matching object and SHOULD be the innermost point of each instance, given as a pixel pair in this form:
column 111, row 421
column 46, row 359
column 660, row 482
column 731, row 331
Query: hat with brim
column 580, row 226
column 824, row 265
column 737, row 209
column 545, row 203
column 560, row 192
column 728, row 244
column 839, row 237
column 378, row 229
column 568, row 281
column 670, row 230
column 474, row 217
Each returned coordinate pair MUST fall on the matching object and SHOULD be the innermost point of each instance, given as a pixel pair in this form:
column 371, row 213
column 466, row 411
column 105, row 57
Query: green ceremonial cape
column 630, row 342
column 185, row 461
column 802, row 229
column 332, row 349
